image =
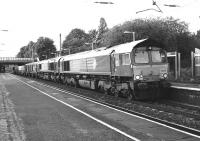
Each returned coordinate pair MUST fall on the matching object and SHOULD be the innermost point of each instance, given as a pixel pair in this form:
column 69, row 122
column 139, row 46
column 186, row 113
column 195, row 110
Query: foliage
column 42, row 49
column 21, row 52
column 26, row 51
column 101, row 30
column 75, row 40
column 198, row 34
column 173, row 33
column 92, row 35
column 162, row 30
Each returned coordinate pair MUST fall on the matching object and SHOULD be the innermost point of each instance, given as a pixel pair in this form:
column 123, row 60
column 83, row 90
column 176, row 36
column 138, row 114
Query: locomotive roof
column 122, row 48
column 32, row 63
column 127, row 47
column 42, row 61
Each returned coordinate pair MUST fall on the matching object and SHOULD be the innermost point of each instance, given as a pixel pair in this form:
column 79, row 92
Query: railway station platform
column 47, row 113
column 185, row 92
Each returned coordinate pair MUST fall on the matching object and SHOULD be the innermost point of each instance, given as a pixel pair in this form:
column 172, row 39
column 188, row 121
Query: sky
column 27, row 20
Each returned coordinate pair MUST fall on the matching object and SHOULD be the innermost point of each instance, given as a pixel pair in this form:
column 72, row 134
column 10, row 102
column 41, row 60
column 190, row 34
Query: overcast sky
column 27, row 20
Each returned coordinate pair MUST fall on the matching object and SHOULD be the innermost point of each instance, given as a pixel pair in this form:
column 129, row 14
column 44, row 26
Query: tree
column 44, row 47
column 198, row 34
column 92, row 35
column 21, row 53
column 164, row 30
column 75, row 41
column 26, row 51
column 173, row 33
column 29, row 50
column 101, row 30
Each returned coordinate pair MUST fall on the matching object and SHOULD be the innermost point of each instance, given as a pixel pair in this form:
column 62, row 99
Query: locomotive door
column 59, row 64
column 112, row 62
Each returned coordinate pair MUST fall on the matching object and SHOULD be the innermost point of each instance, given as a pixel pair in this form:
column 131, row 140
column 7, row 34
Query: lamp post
column 133, row 33
column 61, row 48
column 60, row 42
column 33, row 50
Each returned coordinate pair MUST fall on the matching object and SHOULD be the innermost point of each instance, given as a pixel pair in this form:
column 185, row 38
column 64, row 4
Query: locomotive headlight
column 137, row 77
column 165, row 75
column 141, row 77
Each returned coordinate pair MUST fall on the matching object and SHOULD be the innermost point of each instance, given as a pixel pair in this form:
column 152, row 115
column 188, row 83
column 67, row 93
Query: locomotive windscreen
column 158, row 55
column 149, row 54
column 141, row 55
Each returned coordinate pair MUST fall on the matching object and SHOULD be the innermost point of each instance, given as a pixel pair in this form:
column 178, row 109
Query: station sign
column 171, row 54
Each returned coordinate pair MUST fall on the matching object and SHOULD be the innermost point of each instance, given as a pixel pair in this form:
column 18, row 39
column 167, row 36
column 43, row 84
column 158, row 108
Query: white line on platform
column 52, row 87
column 186, row 88
column 86, row 114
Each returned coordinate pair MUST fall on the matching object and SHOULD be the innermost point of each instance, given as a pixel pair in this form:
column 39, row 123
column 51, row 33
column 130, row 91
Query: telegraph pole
column 60, row 43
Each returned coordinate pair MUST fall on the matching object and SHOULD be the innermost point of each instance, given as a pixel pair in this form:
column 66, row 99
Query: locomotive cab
column 150, row 70
column 149, row 64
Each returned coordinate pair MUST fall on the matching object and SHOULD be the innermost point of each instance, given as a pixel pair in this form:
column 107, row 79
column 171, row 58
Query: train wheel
column 112, row 90
column 59, row 79
column 130, row 95
column 64, row 80
column 106, row 92
column 74, row 83
column 67, row 82
column 101, row 89
column 157, row 94
column 116, row 94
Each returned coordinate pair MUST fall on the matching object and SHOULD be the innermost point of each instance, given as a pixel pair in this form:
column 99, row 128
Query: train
column 135, row 70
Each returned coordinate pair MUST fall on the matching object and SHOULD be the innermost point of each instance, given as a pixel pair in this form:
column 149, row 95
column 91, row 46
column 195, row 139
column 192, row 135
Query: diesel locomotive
column 137, row 69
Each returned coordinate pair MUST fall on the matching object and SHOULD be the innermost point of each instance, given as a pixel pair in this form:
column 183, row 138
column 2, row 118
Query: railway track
column 174, row 115
column 180, row 108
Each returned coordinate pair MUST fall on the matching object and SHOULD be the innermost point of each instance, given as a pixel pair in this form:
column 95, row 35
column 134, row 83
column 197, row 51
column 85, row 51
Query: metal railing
column 14, row 59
